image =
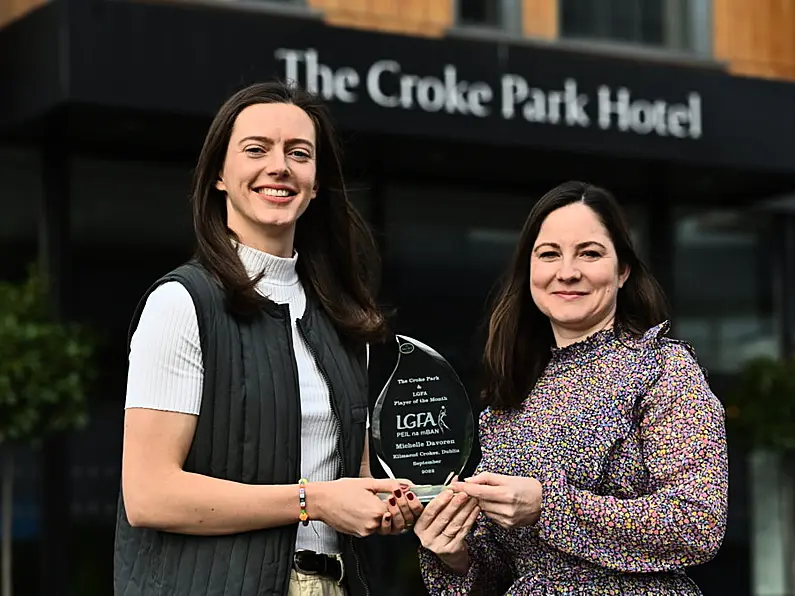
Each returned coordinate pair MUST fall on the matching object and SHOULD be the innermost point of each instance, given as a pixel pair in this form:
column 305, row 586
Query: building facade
column 456, row 115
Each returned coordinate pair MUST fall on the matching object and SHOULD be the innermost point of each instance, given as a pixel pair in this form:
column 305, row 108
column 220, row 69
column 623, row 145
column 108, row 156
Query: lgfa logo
column 424, row 421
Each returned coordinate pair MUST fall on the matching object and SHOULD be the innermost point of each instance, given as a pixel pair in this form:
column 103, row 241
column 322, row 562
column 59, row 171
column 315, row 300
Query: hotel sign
column 513, row 96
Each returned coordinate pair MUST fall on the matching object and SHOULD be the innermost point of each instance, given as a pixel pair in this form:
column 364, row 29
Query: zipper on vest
column 335, row 414
column 359, row 568
column 285, row 310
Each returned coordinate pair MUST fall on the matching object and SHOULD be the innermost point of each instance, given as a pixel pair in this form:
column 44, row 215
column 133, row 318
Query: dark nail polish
column 392, row 501
column 398, row 493
column 410, row 496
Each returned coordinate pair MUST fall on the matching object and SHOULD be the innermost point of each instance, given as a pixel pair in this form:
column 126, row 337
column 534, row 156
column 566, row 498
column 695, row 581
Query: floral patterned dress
column 629, row 445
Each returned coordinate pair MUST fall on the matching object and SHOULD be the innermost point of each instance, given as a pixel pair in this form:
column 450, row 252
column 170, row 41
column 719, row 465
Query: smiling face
column 575, row 274
column 269, row 175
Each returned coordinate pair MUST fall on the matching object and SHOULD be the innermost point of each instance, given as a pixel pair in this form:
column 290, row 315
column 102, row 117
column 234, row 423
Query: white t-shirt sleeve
column 165, row 365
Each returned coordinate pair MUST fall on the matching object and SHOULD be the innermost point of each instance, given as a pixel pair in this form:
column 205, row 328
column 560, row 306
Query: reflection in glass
column 723, row 300
column 675, row 24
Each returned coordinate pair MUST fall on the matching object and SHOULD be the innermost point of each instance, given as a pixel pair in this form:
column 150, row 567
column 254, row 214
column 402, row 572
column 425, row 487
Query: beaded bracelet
column 303, row 516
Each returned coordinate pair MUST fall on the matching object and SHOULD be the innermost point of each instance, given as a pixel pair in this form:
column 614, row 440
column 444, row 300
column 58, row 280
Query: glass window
column 723, row 290
column 478, row 12
column 360, row 194
column 445, row 249
column 638, row 220
column 20, row 171
column 498, row 14
column 676, row 24
column 20, row 201
column 154, row 199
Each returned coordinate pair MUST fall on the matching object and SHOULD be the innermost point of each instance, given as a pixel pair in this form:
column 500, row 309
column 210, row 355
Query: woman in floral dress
column 604, row 466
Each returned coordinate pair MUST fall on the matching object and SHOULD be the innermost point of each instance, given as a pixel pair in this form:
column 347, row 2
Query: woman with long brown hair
column 604, row 466
column 246, row 466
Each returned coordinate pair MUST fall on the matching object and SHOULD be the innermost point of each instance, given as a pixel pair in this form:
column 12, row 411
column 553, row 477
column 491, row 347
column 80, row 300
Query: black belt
column 312, row 563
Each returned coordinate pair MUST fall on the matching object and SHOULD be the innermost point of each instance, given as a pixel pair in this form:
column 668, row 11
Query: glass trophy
column 422, row 426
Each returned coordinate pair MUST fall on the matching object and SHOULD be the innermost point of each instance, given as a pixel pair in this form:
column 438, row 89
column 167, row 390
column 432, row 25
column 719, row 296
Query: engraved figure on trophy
column 442, row 416
column 423, row 427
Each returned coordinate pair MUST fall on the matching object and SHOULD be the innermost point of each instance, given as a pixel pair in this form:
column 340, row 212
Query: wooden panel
column 13, row 9
column 440, row 13
column 540, row 18
column 429, row 18
column 756, row 38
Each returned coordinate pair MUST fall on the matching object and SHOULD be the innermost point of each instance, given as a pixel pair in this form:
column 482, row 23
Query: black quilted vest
column 249, row 430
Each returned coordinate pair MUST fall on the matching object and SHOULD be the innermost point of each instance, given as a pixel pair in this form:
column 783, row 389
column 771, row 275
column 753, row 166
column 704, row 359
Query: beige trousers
column 313, row 585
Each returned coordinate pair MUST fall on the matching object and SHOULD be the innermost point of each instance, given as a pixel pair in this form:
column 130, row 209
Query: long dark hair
column 339, row 262
column 520, row 336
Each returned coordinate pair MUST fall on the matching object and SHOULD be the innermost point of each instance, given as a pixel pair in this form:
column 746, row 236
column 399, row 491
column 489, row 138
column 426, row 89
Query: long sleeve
column 681, row 522
column 489, row 572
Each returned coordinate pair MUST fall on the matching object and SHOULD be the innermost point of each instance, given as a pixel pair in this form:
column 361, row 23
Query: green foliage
column 761, row 406
column 45, row 365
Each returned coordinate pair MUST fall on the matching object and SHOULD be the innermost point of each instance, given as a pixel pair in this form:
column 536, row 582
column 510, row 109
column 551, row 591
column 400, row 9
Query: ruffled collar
column 585, row 349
